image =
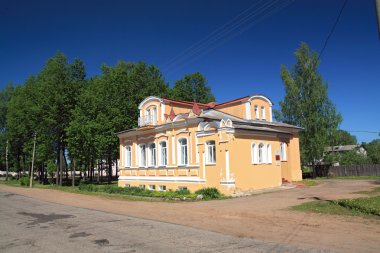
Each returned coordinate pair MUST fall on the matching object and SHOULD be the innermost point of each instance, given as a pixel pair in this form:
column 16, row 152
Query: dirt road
column 264, row 217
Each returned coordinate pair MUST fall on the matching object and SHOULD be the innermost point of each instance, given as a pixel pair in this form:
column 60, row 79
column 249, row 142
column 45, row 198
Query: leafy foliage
column 373, row 151
column 209, row 193
column 306, row 104
column 342, row 137
column 193, row 87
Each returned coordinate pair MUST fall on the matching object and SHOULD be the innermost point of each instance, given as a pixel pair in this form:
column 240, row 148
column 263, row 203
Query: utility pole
column 6, row 161
column 31, row 171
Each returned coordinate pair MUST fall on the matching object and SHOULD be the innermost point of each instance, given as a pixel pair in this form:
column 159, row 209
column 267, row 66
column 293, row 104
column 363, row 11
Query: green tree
column 109, row 104
column 5, row 95
column 306, row 104
column 193, row 87
column 373, row 151
column 342, row 137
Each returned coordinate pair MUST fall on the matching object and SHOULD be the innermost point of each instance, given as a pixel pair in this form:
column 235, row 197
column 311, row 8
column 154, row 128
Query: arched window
column 283, row 151
column 254, row 153
column 128, row 156
column 256, row 112
column 262, row 112
column 211, row 152
column 269, row 153
column 152, row 155
column 163, row 153
column 261, row 153
column 182, row 151
column 142, row 162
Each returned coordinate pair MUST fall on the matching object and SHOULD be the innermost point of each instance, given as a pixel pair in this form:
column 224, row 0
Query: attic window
column 256, row 112
column 263, row 112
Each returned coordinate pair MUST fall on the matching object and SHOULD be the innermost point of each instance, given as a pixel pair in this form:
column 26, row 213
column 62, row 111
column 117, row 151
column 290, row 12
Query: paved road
column 31, row 225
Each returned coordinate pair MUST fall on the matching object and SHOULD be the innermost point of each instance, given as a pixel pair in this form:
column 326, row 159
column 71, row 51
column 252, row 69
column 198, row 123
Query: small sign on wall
column 278, row 157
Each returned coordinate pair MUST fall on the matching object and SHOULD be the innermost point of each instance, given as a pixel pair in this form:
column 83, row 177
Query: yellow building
column 233, row 146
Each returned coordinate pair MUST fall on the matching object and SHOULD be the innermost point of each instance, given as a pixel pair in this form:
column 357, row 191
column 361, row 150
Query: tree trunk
column 73, row 173
column 58, row 162
column 109, row 169
column 60, row 166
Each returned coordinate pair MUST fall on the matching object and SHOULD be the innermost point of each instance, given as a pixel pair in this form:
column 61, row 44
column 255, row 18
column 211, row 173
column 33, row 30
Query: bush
column 88, row 187
column 24, row 181
column 209, row 193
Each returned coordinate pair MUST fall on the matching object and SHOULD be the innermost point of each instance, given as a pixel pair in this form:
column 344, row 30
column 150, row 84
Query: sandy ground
column 264, row 217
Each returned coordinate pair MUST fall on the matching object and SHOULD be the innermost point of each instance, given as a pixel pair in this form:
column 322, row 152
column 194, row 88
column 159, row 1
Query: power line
column 333, row 29
column 229, row 30
column 230, row 36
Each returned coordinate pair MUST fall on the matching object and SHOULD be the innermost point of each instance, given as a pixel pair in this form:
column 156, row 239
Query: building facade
column 234, row 146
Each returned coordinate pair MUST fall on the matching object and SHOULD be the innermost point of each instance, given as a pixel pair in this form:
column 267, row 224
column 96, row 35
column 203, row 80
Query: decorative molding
column 148, row 99
column 183, row 130
column 262, row 97
column 163, row 179
column 145, row 138
column 160, row 135
column 248, row 110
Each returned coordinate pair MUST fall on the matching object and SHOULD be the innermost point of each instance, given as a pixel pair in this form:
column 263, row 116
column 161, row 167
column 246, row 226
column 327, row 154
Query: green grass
column 374, row 192
column 309, row 182
column 132, row 193
column 369, row 206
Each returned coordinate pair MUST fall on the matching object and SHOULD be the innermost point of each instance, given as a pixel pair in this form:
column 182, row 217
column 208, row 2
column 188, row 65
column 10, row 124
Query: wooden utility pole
column 31, row 170
column 6, row 161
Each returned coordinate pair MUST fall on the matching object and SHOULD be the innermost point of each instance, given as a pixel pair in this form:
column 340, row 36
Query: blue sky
column 243, row 60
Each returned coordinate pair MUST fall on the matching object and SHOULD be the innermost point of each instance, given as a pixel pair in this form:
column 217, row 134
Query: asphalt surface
column 31, row 225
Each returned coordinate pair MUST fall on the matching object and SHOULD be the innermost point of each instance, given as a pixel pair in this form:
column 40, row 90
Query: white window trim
column 263, row 117
column 283, row 151
column 126, row 156
column 254, row 153
column 262, row 153
column 150, row 155
column 140, row 161
column 208, row 162
column 269, row 153
column 160, row 188
column 179, row 151
column 256, row 111
column 160, row 153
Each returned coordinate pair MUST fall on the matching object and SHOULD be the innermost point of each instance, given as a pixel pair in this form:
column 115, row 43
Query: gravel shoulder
column 263, row 217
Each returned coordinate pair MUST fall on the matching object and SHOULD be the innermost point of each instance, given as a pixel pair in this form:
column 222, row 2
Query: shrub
column 209, row 193
column 88, row 187
column 24, row 181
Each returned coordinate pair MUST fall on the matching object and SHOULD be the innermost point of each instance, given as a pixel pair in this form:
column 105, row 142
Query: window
column 142, row 186
column 210, row 155
column 152, row 155
column 142, row 155
column 262, row 112
column 283, row 151
column 128, row 156
column 163, row 153
column 182, row 188
column 254, row 153
column 182, row 149
column 154, row 116
column 162, row 187
column 256, row 112
column 152, row 187
column 261, row 153
column 127, row 185
column 269, row 153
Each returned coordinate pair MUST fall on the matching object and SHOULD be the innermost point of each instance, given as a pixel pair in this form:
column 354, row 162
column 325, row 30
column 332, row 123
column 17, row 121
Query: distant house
column 359, row 149
column 233, row 146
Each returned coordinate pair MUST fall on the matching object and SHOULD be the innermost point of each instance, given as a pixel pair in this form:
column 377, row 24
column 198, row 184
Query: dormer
column 258, row 107
column 152, row 111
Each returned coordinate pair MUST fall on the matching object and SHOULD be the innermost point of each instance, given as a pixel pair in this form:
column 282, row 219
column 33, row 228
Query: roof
column 342, row 148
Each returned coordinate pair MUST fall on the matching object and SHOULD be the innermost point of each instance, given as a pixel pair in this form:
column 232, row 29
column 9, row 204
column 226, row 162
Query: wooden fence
column 346, row 170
